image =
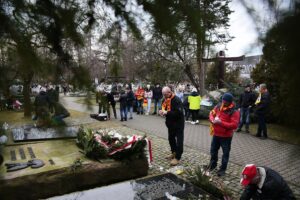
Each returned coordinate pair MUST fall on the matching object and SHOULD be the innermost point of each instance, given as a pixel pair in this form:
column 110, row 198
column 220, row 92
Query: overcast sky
column 242, row 28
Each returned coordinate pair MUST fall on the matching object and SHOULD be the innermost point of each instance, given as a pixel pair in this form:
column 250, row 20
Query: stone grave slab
column 56, row 177
column 160, row 187
column 31, row 133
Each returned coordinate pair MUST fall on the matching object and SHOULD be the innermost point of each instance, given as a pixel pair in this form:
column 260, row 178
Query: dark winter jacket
column 247, row 99
column 273, row 188
column 42, row 99
column 130, row 98
column 263, row 106
column 175, row 117
column 186, row 103
column 157, row 93
column 111, row 99
column 123, row 100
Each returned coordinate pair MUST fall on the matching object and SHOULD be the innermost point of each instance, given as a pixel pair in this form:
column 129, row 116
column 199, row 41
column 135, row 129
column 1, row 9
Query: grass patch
column 82, row 100
column 16, row 118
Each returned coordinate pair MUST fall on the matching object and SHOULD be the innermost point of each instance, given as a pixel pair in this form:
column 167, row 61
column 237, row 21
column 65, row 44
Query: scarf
column 258, row 99
column 167, row 103
column 213, row 112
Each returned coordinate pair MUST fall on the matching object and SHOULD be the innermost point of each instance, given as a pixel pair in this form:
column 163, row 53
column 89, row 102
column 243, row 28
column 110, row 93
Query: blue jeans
column 244, row 118
column 123, row 112
column 140, row 108
column 157, row 105
column 130, row 110
column 216, row 143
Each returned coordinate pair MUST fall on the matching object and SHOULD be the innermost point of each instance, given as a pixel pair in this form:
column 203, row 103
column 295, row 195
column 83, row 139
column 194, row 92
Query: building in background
column 247, row 65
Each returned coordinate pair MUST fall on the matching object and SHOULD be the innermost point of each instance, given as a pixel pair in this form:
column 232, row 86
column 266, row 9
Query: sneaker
column 238, row 130
column 174, row 162
column 197, row 121
column 154, row 113
column 247, row 131
column 193, row 123
column 170, row 157
column 221, row 172
column 187, row 121
column 130, row 118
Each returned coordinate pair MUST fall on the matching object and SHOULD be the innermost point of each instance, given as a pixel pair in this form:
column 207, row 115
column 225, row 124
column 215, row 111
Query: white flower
column 3, row 139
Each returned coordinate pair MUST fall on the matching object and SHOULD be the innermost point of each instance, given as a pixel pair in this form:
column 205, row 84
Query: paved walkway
column 282, row 157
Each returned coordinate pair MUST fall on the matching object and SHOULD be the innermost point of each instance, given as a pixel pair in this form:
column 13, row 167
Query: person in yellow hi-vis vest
column 194, row 105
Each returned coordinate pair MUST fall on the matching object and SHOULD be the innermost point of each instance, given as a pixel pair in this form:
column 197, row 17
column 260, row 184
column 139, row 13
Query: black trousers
column 176, row 137
column 194, row 114
column 262, row 127
column 114, row 110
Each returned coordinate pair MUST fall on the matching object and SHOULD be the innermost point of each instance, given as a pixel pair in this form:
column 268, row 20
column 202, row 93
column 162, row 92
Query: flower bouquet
column 3, row 139
column 108, row 143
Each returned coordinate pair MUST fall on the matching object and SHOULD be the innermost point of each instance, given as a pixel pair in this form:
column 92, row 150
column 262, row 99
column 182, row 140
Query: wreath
column 105, row 143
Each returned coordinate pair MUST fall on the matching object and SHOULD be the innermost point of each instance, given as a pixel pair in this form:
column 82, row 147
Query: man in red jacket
column 225, row 119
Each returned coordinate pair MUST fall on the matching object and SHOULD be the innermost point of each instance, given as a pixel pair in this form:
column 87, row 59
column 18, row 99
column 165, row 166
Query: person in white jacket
column 148, row 95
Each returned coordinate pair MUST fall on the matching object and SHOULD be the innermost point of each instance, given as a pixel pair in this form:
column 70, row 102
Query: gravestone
column 164, row 186
column 30, row 133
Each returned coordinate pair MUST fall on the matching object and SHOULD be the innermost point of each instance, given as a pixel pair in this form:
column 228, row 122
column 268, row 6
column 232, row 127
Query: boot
column 174, row 162
column 172, row 156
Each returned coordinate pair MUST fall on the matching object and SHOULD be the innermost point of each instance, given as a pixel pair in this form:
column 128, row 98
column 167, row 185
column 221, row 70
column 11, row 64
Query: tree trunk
column 26, row 93
column 188, row 72
column 201, row 74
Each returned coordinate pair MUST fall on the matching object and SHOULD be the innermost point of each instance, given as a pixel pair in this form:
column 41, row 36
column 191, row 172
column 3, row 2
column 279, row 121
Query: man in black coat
column 53, row 97
column 264, row 183
column 112, row 102
column 130, row 100
column 246, row 102
column 157, row 96
column 41, row 104
column 261, row 109
column 172, row 109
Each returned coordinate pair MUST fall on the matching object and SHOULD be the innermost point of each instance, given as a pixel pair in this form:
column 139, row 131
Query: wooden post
column 221, row 59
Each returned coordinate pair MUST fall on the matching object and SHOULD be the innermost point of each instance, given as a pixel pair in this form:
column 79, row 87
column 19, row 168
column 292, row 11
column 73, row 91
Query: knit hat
column 227, row 97
column 249, row 172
